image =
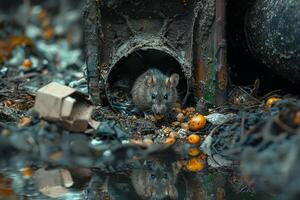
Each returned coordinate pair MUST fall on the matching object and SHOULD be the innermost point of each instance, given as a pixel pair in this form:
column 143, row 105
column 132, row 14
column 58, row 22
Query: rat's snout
column 159, row 109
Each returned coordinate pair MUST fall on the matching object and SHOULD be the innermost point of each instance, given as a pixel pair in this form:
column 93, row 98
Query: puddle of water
column 154, row 180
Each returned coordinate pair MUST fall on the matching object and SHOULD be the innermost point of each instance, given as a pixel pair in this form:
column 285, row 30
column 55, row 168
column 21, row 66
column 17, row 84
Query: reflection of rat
column 155, row 181
column 154, row 91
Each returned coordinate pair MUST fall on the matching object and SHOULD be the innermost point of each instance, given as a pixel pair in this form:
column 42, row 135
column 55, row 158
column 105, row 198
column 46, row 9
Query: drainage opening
column 127, row 69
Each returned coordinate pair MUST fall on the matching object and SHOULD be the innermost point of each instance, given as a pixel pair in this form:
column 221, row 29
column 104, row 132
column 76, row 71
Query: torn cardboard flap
column 67, row 104
column 56, row 102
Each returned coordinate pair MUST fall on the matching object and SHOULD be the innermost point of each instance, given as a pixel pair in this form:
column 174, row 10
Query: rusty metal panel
column 185, row 32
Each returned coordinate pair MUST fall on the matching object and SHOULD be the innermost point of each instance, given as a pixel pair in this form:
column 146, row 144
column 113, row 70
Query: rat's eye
column 165, row 96
column 153, row 96
column 152, row 176
column 165, row 176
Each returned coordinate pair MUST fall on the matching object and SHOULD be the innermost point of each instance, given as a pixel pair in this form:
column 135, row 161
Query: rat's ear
column 150, row 81
column 173, row 81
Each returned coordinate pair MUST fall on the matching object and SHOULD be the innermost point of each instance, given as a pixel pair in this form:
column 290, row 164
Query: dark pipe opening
column 127, row 69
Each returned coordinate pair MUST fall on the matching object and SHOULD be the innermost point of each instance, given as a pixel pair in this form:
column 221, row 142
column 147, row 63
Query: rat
column 154, row 91
column 155, row 180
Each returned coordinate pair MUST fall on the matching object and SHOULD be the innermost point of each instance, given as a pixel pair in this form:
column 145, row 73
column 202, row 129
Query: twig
column 284, row 126
column 131, row 29
column 243, row 124
column 270, row 93
column 255, row 99
column 25, row 76
column 242, row 189
column 253, row 106
column 164, row 29
column 254, row 91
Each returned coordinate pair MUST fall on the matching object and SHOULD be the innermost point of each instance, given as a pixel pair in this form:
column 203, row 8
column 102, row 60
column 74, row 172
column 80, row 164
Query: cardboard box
column 53, row 183
column 55, row 102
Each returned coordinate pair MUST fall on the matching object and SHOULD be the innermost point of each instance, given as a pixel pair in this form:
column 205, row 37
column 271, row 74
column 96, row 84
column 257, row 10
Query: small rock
column 217, row 118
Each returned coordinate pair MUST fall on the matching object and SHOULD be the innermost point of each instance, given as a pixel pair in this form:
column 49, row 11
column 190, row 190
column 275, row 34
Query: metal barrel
column 272, row 29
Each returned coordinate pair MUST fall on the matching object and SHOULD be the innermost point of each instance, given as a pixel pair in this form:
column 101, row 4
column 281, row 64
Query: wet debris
column 131, row 124
column 6, row 190
column 218, row 118
column 213, row 160
column 3, row 72
column 276, row 141
column 263, row 141
column 8, row 46
column 111, row 130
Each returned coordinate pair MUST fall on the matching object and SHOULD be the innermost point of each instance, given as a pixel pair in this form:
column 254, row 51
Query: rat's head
column 161, row 92
column 160, row 181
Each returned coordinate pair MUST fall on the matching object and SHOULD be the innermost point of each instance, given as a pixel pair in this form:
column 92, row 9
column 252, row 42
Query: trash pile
column 55, row 144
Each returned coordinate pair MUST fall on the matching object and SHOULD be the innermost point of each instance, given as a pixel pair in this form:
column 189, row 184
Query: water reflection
column 154, row 180
column 70, row 166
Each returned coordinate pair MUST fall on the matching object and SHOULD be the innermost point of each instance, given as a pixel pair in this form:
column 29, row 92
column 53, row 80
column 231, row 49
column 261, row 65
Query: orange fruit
column 15, row 41
column 270, row 102
column 194, row 151
column 170, row 140
column 297, row 118
column 48, row 33
column 197, row 122
column 195, row 165
column 27, row 64
column 193, row 139
column 27, row 172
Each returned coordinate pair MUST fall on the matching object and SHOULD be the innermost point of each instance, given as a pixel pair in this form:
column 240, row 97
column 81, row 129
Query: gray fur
column 154, row 82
